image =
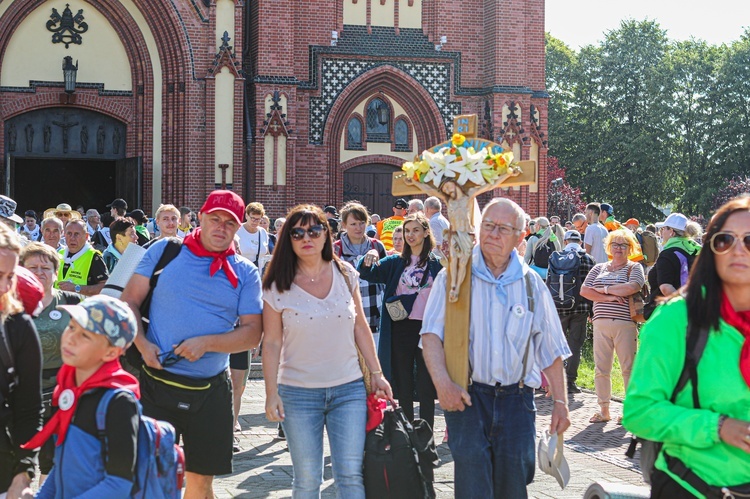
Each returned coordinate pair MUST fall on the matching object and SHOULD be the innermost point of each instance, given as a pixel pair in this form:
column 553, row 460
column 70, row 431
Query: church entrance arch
column 70, row 155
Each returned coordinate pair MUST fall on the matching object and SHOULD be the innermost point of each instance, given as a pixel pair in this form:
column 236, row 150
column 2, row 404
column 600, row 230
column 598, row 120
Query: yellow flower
column 458, row 139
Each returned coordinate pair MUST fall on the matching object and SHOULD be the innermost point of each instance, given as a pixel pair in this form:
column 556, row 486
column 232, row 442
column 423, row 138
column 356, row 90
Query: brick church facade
column 284, row 101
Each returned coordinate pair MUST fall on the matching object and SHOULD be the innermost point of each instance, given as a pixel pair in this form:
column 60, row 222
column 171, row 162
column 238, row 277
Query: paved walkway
column 594, row 452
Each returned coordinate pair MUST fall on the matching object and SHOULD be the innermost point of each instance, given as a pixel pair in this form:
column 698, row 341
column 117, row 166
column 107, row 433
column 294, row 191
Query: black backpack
column 563, row 279
column 541, row 255
column 173, row 248
column 696, row 344
column 399, row 459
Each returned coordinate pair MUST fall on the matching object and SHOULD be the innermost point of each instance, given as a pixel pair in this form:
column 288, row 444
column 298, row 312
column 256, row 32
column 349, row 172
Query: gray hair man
column 512, row 310
column 438, row 223
column 415, row 206
column 52, row 232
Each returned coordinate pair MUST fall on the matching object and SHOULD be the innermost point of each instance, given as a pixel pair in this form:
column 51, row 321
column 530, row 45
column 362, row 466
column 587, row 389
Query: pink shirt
column 409, row 283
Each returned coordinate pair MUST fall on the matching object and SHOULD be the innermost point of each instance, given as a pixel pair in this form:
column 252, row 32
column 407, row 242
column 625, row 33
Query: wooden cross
column 458, row 312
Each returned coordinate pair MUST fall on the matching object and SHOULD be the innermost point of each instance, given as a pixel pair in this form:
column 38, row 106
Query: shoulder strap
column 8, row 363
column 101, row 418
column 530, row 304
column 696, row 344
column 173, row 248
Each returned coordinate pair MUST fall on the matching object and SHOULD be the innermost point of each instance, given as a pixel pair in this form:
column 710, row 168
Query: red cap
column 225, row 201
column 632, row 221
column 29, row 290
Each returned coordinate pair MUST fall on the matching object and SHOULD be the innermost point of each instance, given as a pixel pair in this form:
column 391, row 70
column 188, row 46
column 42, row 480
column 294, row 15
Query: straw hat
column 62, row 208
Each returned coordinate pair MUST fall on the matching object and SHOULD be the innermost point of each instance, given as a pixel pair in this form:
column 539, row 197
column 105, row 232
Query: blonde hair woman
column 608, row 285
column 21, row 413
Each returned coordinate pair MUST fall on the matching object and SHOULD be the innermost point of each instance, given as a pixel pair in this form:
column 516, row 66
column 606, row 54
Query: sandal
column 598, row 418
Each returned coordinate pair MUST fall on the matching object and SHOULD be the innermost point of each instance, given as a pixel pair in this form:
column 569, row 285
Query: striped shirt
column 600, row 277
column 498, row 334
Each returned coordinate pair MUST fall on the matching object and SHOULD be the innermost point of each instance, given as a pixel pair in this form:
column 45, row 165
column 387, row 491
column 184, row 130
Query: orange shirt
column 385, row 230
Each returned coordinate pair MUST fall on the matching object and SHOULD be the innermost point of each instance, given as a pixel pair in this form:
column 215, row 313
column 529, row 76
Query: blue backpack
column 160, row 462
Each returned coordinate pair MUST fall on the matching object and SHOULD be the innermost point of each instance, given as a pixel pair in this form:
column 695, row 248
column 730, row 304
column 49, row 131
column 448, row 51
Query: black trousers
column 574, row 327
column 405, row 352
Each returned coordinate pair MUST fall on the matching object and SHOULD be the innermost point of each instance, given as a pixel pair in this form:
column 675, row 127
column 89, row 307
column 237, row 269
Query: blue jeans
column 492, row 442
column 343, row 411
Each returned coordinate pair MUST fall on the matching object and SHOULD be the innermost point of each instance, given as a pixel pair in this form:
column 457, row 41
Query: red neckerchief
column 741, row 321
column 110, row 375
column 194, row 244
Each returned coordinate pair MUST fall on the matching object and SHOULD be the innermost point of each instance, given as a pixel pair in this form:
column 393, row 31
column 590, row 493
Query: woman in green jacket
column 706, row 449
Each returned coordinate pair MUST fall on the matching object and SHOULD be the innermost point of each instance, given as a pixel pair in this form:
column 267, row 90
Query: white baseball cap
column 676, row 221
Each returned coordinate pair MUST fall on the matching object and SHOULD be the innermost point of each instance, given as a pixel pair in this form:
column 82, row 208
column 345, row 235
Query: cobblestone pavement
column 594, row 452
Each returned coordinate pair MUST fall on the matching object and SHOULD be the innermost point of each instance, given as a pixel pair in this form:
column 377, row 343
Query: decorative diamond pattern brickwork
column 336, row 74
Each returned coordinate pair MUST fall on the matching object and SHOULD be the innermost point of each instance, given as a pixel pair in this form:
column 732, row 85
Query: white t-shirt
column 249, row 244
column 594, row 236
column 438, row 223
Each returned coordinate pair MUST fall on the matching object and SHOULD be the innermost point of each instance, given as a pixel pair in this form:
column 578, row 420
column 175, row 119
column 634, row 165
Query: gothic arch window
column 354, row 134
column 378, row 121
column 401, row 135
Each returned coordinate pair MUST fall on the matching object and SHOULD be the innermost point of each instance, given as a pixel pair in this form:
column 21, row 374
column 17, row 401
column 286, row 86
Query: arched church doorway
column 69, row 155
column 371, row 185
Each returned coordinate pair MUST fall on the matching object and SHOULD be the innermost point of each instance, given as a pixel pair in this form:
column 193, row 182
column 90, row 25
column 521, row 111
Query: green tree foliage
column 642, row 122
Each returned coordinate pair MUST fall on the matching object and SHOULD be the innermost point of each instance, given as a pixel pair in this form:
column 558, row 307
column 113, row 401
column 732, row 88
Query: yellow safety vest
column 386, row 228
column 78, row 272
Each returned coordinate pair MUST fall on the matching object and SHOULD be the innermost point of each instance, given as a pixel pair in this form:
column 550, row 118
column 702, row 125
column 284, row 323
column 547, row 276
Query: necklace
column 612, row 268
column 312, row 279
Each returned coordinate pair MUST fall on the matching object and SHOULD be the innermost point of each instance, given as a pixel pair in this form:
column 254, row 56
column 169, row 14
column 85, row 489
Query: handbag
column 399, row 306
column 635, row 302
column 366, row 374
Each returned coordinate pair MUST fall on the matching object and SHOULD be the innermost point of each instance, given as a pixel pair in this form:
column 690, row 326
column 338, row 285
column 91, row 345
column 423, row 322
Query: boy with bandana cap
column 100, row 330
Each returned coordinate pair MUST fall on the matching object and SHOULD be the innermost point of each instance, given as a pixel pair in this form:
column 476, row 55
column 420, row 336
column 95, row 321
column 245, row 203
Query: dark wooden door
column 129, row 181
column 371, row 186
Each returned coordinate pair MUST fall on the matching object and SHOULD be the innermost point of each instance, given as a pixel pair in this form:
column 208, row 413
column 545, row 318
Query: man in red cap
column 201, row 294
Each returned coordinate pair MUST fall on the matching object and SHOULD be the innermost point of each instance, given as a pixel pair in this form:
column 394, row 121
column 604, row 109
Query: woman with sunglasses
column 408, row 278
column 671, row 268
column 313, row 323
column 608, row 285
column 705, row 445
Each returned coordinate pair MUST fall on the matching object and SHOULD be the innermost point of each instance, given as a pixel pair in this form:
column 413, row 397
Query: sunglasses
column 723, row 242
column 169, row 358
column 315, row 231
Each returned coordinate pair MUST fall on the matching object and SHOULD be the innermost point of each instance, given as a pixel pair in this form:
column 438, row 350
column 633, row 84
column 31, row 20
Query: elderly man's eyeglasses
column 315, row 231
column 504, row 229
column 723, row 242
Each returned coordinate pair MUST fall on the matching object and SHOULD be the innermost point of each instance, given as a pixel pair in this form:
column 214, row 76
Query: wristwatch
column 78, row 288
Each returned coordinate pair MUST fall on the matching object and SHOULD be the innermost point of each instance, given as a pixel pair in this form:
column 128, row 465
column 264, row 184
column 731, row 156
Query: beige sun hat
column 62, row 208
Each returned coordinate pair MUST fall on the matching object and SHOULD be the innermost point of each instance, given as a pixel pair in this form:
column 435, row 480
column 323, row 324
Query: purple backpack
column 684, row 267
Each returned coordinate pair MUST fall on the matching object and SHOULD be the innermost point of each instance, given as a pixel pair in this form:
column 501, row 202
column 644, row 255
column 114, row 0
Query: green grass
column 586, row 368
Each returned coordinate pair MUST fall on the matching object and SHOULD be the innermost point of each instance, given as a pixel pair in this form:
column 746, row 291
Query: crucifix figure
column 460, row 204
column 65, row 128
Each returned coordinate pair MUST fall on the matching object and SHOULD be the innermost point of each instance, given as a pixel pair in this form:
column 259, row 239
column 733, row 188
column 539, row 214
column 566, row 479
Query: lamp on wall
column 383, row 114
column 69, row 74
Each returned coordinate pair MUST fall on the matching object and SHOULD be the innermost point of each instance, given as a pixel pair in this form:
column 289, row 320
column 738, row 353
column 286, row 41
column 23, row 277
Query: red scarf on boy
column 194, row 244
column 67, row 395
column 741, row 321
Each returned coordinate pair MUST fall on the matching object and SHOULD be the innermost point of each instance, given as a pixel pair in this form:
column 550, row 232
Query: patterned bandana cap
column 8, row 209
column 107, row 316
